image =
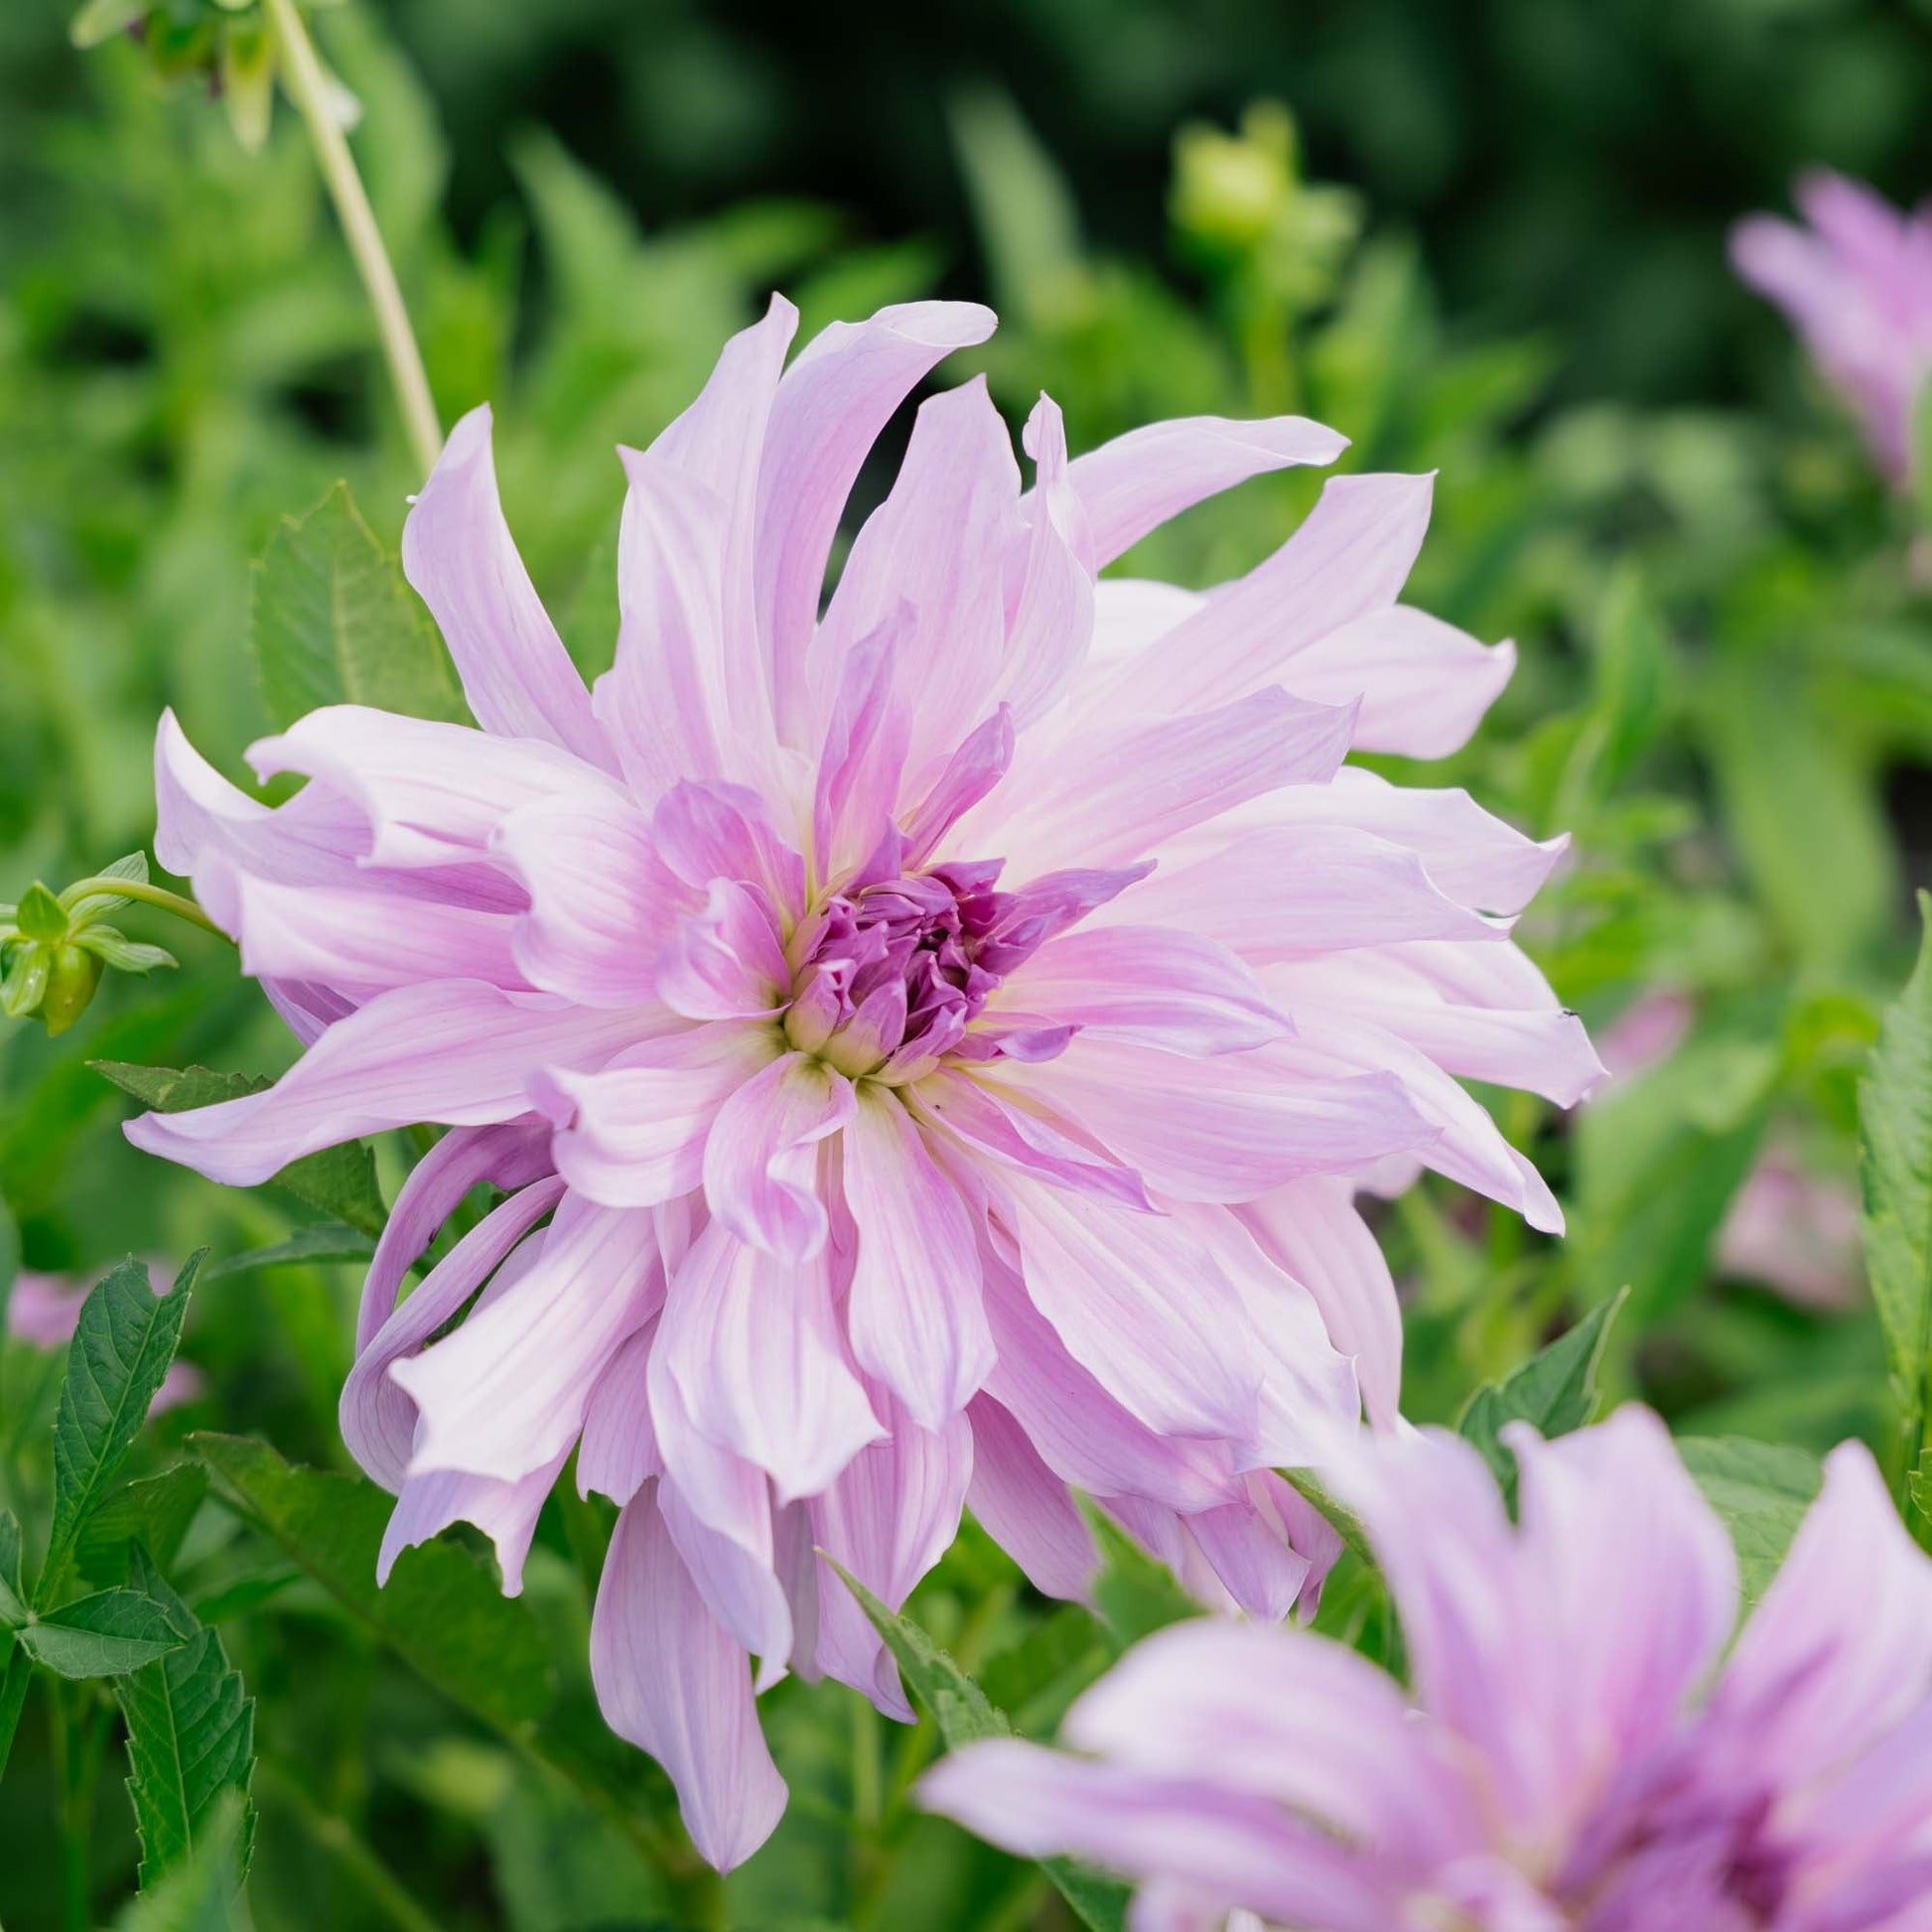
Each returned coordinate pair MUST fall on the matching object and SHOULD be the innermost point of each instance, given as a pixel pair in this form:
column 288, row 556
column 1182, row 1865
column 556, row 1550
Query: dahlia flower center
column 890, row 974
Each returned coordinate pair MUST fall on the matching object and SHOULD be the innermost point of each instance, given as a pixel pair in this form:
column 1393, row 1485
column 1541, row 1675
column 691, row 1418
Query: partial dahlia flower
column 1581, row 1754
column 1857, row 287
column 924, row 1044
column 44, row 1310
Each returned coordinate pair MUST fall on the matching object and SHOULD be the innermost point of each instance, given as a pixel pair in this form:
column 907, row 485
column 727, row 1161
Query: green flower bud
column 71, row 978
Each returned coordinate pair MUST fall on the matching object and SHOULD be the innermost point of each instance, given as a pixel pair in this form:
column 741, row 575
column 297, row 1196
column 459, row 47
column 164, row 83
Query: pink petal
column 1025, row 1139
column 676, row 1686
column 1349, row 559
column 761, row 1160
column 726, row 962
column 431, row 793
column 1136, row 483
column 1838, row 1650
column 1149, row 987
column 601, row 903
column 936, row 544
column 978, row 765
column 1423, row 684
column 865, row 749
column 888, row 1519
column 1298, row 890
column 377, row 1413
column 1051, row 624
column 832, row 402
column 634, row 1134
column 1025, row 1508
column 1076, row 1429
column 457, row 553
column 705, row 832
column 1237, row 1850
column 730, row 1558
column 455, row 1051
column 913, row 1310
column 687, row 696
column 617, row 1453
column 1238, row 1124
column 506, row 1512
column 1110, row 795
column 506, row 1391
column 1158, row 1324
column 1312, row 1231
column 754, row 1347
column 1295, row 1720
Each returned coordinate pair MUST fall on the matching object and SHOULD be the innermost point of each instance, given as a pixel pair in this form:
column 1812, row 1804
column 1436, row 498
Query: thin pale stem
column 308, row 87
column 138, row 889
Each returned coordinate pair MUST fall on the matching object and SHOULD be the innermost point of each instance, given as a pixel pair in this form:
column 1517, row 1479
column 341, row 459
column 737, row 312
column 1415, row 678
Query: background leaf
column 1761, row 1490
column 154, row 1511
column 102, row 1635
column 442, row 1611
column 121, row 1353
column 191, row 1738
column 333, row 623
column 1554, row 1392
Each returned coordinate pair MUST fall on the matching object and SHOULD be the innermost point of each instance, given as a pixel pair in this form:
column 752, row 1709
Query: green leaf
column 1554, row 1391
column 114, row 948
column 41, row 916
column 153, row 1511
column 1134, row 1595
column 1342, row 1519
column 191, row 1737
column 1761, row 1490
column 94, row 905
column 1029, row 226
column 338, row 1181
column 13, row 1606
column 1895, row 1170
column 333, row 623
column 442, row 1613
column 964, row 1715
column 204, row 1893
column 120, row 1352
column 325, row 1241
column 102, row 1635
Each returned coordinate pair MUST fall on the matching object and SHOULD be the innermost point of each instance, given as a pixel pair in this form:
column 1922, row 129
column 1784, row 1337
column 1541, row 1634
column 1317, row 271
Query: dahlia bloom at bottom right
column 1585, row 1748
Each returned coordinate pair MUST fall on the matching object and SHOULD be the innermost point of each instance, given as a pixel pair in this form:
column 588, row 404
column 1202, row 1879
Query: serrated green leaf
column 1554, row 1391
column 333, row 623
column 121, row 1349
column 326, row 1241
column 154, row 1511
column 1895, row 1174
column 338, row 1181
column 1761, row 1491
column 102, row 1635
column 41, row 916
column 1134, row 1595
column 13, row 1606
column 964, row 1715
column 441, row 1611
column 191, row 1737
column 202, row 1895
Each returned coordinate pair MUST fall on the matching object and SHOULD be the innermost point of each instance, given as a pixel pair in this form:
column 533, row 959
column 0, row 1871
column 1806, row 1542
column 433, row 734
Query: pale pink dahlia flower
column 44, row 1310
column 1581, row 1754
column 1857, row 287
column 934, row 1036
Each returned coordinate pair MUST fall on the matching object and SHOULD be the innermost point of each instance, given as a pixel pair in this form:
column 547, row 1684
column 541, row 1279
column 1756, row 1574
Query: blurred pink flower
column 1857, row 287
column 1793, row 1231
column 1581, row 1754
column 45, row 1310
column 907, row 1139
column 1648, row 1030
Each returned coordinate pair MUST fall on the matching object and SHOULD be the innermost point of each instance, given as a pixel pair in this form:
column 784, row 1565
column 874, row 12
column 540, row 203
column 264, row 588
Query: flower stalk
column 308, row 87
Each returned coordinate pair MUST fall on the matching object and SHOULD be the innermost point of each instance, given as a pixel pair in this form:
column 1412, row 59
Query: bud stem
column 308, row 87
column 139, row 889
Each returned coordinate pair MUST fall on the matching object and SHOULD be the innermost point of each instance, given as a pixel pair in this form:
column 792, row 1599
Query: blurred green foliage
column 1725, row 696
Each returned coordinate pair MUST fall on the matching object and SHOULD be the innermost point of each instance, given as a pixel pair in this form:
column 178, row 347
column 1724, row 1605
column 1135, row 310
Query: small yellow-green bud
column 73, row 976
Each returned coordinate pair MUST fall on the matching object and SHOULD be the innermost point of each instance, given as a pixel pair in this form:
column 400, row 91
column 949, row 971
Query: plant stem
column 138, row 889
column 378, row 1883
column 13, row 1694
column 308, row 87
